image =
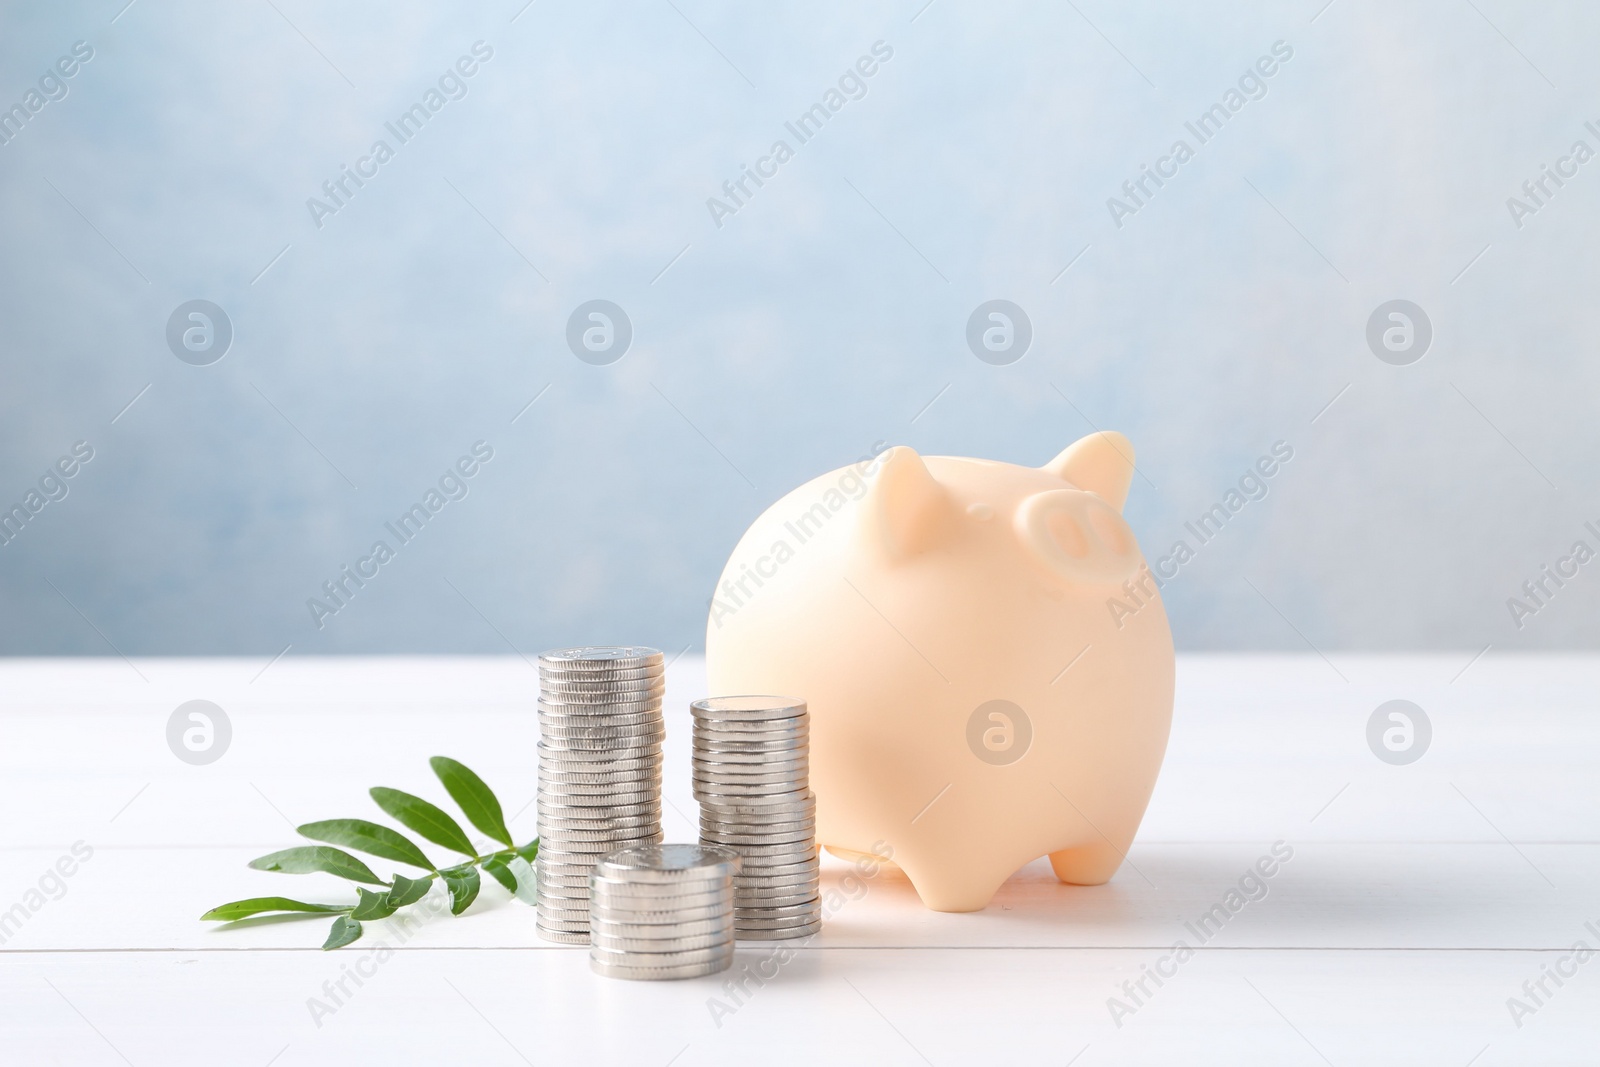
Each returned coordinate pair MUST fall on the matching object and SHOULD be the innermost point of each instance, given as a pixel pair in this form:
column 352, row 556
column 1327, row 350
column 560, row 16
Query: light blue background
column 824, row 316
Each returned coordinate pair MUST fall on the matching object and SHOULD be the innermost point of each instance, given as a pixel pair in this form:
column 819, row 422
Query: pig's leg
column 1091, row 864
column 952, row 886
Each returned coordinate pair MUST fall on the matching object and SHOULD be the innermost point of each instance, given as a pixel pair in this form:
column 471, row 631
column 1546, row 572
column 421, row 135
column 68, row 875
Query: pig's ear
column 905, row 508
column 1101, row 463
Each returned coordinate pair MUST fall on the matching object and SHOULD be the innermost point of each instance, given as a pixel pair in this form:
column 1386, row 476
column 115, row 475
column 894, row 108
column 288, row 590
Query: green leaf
column 527, row 880
column 243, row 909
column 369, row 837
column 344, row 931
column 305, row 859
column 429, row 820
column 477, row 800
column 496, row 866
column 372, row 905
column 530, row 850
column 408, row 890
column 463, row 883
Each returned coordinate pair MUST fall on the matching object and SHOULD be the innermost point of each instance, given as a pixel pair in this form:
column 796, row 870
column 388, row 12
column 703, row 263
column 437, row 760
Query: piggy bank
column 985, row 654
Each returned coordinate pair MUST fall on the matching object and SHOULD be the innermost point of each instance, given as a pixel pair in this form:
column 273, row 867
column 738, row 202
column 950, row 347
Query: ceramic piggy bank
column 986, row 658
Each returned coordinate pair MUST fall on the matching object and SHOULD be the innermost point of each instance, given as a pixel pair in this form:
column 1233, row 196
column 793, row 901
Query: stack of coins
column 662, row 911
column 752, row 775
column 600, row 734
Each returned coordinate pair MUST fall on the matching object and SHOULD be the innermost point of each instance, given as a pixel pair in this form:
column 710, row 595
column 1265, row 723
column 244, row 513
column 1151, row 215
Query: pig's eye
column 981, row 512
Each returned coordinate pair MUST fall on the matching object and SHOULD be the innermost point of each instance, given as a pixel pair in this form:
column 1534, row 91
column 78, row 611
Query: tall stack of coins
column 662, row 911
column 752, row 777
column 600, row 734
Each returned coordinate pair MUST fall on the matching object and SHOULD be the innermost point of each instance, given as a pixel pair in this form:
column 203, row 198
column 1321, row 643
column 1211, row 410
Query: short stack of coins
column 600, row 734
column 662, row 911
column 752, row 778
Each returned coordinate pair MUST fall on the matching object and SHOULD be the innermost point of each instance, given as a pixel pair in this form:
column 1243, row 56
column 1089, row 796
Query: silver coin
column 560, row 911
column 701, row 919
column 789, row 874
column 779, row 719
column 576, row 791
column 772, row 867
column 578, row 681
column 745, row 757
column 661, row 959
column 666, row 941
column 601, row 848
column 599, row 704
column 805, row 835
column 802, row 837
column 563, row 896
column 577, row 758
column 757, row 870
column 786, row 922
column 616, row 804
column 616, row 904
column 565, row 779
column 599, row 826
column 564, row 937
column 672, row 910
column 564, row 870
column 574, row 704
column 630, row 782
column 588, row 680
column 564, row 926
column 613, row 887
column 583, row 762
column 599, row 818
column 765, row 778
column 745, row 708
column 630, row 725
column 559, row 738
column 699, row 754
column 771, row 875
column 752, row 765
column 805, row 807
column 621, row 679
column 559, row 836
column 564, row 883
column 610, row 807
column 748, row 903
column 599, row 796
column 756, row 813
column 662, row 974
column 773, row 853
column 806, row 901
column 783, row 934
column 723, row 791
column 668, row 917
column 646, row 945
column 598, row 713
column 661, row 863
column 557, row 776
column 775, row 792
column 597, row 763
column 600, row 739
column 706, row 735
column 626, row 926
column 773, row 881
column 792, row 826
column 764, row 726
column 713, row 736
column 612, row 656
column 566, row 845
column 753, row 774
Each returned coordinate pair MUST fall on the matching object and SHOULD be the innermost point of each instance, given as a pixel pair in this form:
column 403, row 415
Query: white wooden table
column 1418, row 900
